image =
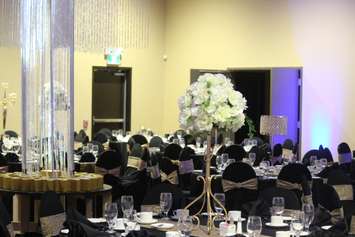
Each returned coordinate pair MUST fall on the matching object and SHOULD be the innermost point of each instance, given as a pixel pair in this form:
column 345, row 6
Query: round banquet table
column 25, row 205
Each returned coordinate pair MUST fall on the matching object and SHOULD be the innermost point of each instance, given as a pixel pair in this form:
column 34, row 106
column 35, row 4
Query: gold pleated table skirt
column 80, row 182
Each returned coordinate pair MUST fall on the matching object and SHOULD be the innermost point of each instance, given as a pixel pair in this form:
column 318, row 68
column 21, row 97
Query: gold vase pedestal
column 207, row 196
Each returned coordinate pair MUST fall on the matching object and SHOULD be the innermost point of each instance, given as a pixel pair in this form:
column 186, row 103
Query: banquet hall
column 176, row 118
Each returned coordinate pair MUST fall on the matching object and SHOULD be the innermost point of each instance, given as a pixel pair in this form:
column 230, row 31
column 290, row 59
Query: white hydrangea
column 210, row 101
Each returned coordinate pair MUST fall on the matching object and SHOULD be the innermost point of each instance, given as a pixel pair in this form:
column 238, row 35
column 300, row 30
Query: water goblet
column 127, row 204
column 111, row 215
column 185, row 226
column 297, row 224
column 221, row 198
column 278, row 204
column 254, row 226
column 166, row 201
column 308, row 210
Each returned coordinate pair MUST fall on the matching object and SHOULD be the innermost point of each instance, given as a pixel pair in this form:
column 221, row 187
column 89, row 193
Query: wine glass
column 221, row 198
column 95, row 150
column 225, row 158
column 179, row 134
column 252, row 157
column 324, row 162
column 198, row 142
column 129, row 222
column 111, row 215
column 219, row 163
column 254, row 226
column 89, row 145
column 182, row 142
column 308, row 210
column 278, row 205
column 312, row 160
column 166, row 201
column 127, row 204
column 185, row 226
column 297, row 224
column 85, row 149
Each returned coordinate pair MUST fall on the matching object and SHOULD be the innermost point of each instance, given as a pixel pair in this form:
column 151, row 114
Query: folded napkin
column 139, row 233
column 74, row 215
column 83, row 230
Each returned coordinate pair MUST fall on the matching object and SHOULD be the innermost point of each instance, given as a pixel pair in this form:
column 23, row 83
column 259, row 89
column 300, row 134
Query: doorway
column 269, row 91
column 111, row 98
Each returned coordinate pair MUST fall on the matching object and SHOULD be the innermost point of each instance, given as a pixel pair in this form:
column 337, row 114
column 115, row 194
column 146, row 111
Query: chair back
column 172, row 151
column 168, row 171
column 109, row 162
column 6, row 228
column 152, row 198
column 296, row 177
column 235, row 152
column 52, row 215
column 240, row 185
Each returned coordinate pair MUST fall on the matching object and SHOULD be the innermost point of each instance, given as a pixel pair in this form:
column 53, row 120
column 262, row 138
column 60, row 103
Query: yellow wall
column 147, row 77
column 317, row 35
column 10, row 72
column 208, row 34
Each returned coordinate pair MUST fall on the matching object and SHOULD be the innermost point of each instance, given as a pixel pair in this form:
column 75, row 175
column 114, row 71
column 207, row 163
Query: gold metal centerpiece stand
column 207, row 196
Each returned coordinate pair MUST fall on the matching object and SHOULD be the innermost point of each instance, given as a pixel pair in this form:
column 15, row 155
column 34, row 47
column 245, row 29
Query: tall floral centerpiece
column 211, row 103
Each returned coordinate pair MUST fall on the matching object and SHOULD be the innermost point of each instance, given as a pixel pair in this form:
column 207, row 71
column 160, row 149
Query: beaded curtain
column 98, row 24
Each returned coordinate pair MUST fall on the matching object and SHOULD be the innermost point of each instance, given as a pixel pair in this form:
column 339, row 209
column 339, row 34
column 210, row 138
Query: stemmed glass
column 198, row 142
column 308, row 210
column 111, row 215
column 185, row 226
column 95, row 150
column 166, row 201
column 297, row 224
column 219, row 163
column 254, row 226
column 127, row 205
column 221, row 198
column 278, row 205
column 225, row 158
column 252, row 157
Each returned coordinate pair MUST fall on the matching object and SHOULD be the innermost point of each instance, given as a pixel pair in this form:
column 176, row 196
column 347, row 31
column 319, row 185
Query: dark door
column 111, row 98
column 255, row 87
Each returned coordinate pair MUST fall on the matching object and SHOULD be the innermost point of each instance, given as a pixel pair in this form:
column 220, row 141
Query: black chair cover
column 153, row 195
column 87, row 157
column 236, row 152
column 74, row 215
column 79, row 229
column 52, row 216
column 239, row 172
column 172, row 151
column 139, row 139
column 189, row 140
column 307, row 156
column 5, row 221
column 156, row 141
column 291, row 199
column 297, row 174
column 186, row 167
column 100, row 137
column 11, row 133
column 11, row 157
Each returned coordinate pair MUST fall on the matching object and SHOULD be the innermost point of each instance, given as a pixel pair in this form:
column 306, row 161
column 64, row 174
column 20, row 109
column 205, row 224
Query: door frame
column 128, row 92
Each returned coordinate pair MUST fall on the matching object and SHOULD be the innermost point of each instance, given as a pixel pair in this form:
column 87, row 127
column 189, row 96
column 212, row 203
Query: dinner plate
column 276, row 225
column 326, row 227
column 162, row 225
column 97, row 220
column 152, row 221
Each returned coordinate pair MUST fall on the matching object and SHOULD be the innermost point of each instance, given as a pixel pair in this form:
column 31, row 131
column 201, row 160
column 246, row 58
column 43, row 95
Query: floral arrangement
column 212, row 101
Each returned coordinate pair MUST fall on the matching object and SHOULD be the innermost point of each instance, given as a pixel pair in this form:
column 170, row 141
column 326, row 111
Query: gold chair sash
column 344, row 191
column 115, row 172
column 136, row 162
column 51, row 225
column 171, row 178
column 337, row 215
column 175, row 162
column 288, row 185
column 352, row 226
column 307, row 199
column 251, row 184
